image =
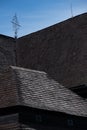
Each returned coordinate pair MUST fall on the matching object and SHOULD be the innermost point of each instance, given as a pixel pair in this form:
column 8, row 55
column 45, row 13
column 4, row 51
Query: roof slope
column 7, row 52
column 59, row 50
column 36, row 89
column 8, row 89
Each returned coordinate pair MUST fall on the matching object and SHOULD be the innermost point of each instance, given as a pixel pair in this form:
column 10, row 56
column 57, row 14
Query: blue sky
column 34, row 15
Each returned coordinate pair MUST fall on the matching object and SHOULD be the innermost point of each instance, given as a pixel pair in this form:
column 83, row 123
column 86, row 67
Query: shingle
column 59, row 50
column 8, row 89
column 36, row 89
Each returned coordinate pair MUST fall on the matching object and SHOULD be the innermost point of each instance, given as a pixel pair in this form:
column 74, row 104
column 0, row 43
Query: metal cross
column 16, row 25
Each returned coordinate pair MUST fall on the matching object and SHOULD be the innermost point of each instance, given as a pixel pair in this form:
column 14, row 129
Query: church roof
column 19, row 86
column 60, row 50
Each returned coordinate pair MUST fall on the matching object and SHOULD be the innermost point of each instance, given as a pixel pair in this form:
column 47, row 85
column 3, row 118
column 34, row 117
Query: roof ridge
column 26, row 69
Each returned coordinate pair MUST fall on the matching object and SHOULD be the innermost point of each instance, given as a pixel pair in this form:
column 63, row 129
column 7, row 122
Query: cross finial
column 15, row 25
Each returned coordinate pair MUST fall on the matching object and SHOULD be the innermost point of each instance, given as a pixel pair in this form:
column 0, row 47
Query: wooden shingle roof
column 19, row 86
column 60, row 50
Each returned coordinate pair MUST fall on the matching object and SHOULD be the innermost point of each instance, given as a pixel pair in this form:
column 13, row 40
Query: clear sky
column 34, row 15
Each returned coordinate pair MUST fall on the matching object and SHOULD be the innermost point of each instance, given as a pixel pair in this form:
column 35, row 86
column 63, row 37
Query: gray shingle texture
column 36, row 89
